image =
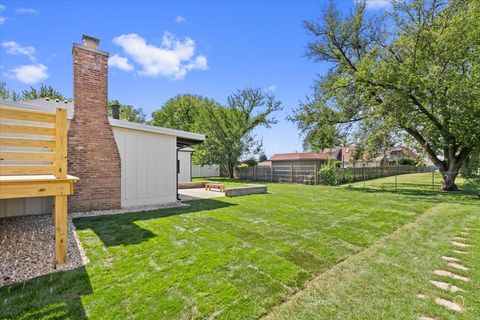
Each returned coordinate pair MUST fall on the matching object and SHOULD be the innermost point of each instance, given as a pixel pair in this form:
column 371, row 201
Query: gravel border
column 27, row 243
column 169, row 205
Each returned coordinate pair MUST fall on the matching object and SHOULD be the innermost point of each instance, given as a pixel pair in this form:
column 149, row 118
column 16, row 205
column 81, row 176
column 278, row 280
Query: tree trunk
column 449, row 176
column 231, row 171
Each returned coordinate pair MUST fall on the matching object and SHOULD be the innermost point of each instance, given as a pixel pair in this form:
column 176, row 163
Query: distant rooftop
column 301, row 156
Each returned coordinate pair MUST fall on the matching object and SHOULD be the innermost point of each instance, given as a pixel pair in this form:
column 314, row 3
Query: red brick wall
column 92, row 151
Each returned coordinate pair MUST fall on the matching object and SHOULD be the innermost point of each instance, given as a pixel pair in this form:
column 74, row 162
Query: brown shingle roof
column 300, row 156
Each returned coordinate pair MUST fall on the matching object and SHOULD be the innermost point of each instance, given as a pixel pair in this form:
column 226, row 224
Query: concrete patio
column 198, row 194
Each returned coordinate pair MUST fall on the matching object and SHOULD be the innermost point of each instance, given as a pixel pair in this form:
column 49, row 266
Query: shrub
column 329, row 173
column 406, row 162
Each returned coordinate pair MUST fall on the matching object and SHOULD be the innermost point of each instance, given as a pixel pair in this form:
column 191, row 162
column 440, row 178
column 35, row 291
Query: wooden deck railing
column 33, row 163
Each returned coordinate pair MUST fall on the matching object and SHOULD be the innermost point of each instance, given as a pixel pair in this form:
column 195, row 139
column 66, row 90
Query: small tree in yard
column 415, row 70
column 230, row 129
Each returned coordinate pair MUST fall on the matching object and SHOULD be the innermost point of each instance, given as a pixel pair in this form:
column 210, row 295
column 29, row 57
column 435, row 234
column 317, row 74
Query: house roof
column 341, row 153
column 300, row 156
column 184, row 138
column 406, row 151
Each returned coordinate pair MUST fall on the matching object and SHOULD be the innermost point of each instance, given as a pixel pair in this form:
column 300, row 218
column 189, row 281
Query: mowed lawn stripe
column 384, row 280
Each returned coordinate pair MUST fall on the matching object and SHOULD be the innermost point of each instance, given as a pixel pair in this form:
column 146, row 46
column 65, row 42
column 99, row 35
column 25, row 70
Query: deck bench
column 215, row 185
column 38, row 173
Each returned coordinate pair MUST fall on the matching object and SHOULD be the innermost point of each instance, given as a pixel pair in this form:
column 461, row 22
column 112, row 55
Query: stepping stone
column 426, row 318
column 452, row 275
column 449, row 304
column 450, row 259
column 458, row 266
column 459, row 244
column 458, row 251
column 421, row 296
column 445, row 286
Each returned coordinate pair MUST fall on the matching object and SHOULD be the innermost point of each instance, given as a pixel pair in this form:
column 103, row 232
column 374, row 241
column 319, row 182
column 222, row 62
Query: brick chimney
column 92, row 151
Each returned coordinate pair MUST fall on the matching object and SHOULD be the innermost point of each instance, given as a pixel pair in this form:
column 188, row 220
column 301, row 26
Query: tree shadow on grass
column 121, row 229
column 53, row 296
column 467, row 193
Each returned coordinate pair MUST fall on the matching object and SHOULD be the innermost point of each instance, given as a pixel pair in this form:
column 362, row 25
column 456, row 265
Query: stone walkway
column 460, row 246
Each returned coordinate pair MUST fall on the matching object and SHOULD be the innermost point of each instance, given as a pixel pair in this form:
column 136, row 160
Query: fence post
column 354, row 178
column 255, row 173
column 271, row 173
column 291, row 173
column 315, row 182
column 363, row 176
column 396, row 172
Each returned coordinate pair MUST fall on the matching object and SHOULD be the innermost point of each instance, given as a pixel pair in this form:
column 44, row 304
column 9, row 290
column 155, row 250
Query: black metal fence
column 309, row 174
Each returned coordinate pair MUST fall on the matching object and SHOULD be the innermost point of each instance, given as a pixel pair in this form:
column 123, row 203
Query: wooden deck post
column 61, row 229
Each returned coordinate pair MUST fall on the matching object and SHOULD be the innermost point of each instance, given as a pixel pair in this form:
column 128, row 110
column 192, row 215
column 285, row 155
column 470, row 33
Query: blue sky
column 161, row 49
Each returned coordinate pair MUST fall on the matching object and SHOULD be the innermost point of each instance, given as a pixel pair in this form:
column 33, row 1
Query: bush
column 406, row 162
column 329, row 173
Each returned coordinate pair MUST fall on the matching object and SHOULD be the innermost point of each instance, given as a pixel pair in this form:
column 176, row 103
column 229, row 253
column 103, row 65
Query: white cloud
column 2, row 7
column 119, row 62
column 271, row 88
column 12, row 47
column 27, row 11
column 2, row 20
column 30, row 73
column 173, row 59
column 180, row 19
column 377, row 4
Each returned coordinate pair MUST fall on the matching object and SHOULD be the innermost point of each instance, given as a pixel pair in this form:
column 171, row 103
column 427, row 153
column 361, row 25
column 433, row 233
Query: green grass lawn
column 297, row 252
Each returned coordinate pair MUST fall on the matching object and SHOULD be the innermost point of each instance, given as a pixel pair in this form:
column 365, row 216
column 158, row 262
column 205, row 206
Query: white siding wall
column 205, row 171
column 185, row 166
column 148, row 174
column 148, row 167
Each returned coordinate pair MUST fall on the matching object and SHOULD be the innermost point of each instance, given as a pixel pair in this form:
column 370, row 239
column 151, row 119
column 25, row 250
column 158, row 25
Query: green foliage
column 329, row 173
column 417, row 77
column 251, row 162
column 406, row 162
column 128, row 112
column 30, row 94
column 181, row 112
column 262, row 157
column 229, row 129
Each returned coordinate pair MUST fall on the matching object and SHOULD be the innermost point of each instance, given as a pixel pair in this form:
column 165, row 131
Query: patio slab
column 199, row 194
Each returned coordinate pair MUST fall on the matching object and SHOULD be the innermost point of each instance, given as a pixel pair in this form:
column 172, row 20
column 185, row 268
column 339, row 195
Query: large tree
column 230, row 129
column 414, row 70
column 181, row 112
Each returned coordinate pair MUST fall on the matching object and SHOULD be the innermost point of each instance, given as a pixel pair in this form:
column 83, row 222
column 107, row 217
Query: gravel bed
column 27, row 247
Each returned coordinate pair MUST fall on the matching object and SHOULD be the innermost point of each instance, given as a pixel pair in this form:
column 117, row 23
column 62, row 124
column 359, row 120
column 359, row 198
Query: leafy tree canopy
column 29, row 94
column 414, row 71
column 230, row 129
column 181, row 112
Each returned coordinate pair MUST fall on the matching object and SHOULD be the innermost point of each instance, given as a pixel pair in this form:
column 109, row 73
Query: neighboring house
column 119, row 163
column 395, row 154
column 299, row 159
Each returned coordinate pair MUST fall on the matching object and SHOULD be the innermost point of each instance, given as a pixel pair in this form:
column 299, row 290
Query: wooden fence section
column 33, row 163
column 309, row 174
